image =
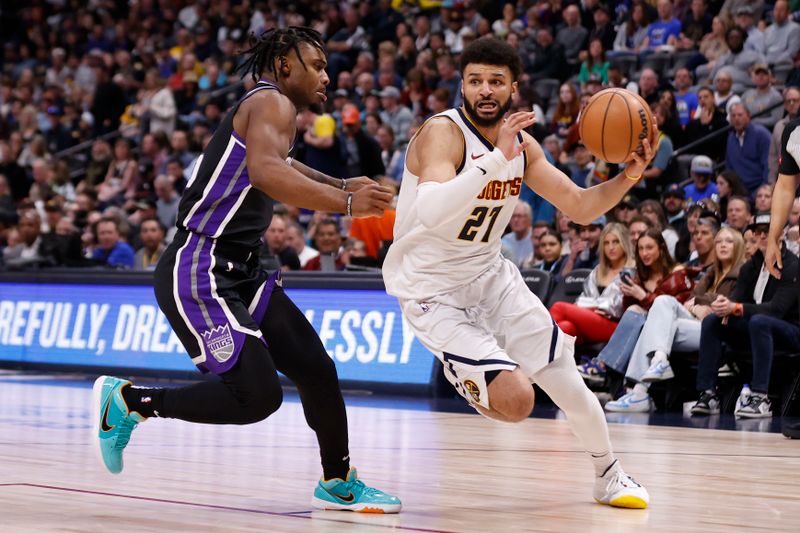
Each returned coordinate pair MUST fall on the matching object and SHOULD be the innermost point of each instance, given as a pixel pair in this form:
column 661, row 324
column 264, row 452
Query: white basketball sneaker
column 618, row 489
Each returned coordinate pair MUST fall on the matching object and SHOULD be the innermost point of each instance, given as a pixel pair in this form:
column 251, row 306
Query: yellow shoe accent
column 628, row 502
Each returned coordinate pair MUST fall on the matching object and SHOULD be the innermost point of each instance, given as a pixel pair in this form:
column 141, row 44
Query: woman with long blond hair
column 671, row 325
column 594, row 315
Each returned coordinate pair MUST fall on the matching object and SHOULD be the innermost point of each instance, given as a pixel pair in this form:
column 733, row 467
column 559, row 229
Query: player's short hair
column 491, row 51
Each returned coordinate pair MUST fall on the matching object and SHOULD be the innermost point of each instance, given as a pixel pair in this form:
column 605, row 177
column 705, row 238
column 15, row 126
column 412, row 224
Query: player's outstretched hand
column 371, row 200
column 507, row 136
column 637, row 164
column 355, row 184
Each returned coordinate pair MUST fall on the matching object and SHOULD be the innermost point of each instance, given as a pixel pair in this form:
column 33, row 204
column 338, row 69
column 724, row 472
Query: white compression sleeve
column 434, row 199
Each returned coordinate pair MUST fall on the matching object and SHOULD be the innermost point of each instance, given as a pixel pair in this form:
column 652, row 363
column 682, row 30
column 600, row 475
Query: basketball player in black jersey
column 233, row 318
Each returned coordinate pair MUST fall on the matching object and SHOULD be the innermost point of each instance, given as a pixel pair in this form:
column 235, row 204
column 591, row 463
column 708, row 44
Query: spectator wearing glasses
column 626, row 209
column 517, row 245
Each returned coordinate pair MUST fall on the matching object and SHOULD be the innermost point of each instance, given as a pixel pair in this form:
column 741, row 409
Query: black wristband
column 349, row 208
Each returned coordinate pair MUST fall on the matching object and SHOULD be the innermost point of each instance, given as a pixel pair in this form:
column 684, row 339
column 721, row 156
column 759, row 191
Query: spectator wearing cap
column 763, row 97
column 791, row 104
column 517, row 245
column 707, row 119
column 701, row 172
column 363, row 152
column 744, row 18
column 57, row 135
column 626, row 209
column 151, row 235
column 674, row 201
column 665, row 31
column 397, row 116
column 581, row 165
column 111, row 250
column 455, row 31
column 748, row 148
column 583, row 253
column 782, row 37
column 761, row 314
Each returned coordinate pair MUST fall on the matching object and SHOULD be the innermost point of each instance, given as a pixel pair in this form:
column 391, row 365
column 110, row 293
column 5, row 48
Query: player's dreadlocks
column 275, row 43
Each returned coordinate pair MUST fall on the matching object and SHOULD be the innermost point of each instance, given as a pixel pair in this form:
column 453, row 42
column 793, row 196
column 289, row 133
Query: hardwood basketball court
column 454, row 472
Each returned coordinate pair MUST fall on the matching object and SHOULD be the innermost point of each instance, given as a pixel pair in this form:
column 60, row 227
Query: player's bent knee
column 259, row 405
column 511, row 396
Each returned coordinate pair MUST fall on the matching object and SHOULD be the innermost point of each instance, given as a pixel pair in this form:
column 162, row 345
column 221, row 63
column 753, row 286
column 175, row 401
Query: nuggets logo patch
column 219, row 342
column 473, row 390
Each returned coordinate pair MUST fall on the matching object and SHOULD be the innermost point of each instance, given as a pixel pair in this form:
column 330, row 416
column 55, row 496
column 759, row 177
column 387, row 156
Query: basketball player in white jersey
column 465, row 302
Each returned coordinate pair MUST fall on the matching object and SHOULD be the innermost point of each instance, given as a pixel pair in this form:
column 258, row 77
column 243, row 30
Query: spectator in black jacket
column 363, row 152
column 761, row 312
column 708, row 119
column 549, row 59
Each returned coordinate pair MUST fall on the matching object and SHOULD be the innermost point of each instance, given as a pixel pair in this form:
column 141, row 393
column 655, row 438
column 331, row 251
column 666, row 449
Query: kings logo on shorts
column 219, row 342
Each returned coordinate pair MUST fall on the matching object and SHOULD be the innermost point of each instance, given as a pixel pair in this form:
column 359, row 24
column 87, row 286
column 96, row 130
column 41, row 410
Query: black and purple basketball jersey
column 219, row 201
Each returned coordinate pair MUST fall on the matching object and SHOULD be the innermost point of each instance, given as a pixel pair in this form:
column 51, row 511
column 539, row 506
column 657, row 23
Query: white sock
column 640, row 390
column 584, row 414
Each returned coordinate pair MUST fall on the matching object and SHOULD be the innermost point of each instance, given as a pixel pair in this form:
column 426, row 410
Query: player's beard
column 472, row 112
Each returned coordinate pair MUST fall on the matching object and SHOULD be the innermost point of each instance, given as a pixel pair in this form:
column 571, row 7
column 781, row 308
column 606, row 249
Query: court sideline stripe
column 292, row 514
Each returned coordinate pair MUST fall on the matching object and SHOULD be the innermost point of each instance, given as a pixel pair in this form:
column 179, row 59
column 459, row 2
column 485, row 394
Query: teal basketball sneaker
column 352, row 494
column 112, row 422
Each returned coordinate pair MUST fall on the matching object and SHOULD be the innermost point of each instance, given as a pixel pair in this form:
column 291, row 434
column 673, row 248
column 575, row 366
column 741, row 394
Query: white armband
column 434, row 199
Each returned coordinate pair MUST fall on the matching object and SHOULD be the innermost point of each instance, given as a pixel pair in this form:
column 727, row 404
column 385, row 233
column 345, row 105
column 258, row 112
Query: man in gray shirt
column 763, row 96
column 781, row 38
column 399, row 117
column 573, row 35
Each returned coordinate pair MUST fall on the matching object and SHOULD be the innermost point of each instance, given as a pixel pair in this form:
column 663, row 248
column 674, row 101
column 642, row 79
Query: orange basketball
column 614, row 123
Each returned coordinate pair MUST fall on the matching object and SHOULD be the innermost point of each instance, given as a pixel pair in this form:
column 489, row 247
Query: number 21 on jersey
column 472, row 227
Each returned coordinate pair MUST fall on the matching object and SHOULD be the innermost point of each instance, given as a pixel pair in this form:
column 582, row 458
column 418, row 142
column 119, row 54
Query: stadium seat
column 538, row 281
column 568, row 288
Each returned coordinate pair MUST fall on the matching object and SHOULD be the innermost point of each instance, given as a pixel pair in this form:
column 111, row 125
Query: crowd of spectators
column 105, row 107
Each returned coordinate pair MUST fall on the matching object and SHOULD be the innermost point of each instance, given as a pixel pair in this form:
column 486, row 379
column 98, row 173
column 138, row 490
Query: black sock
column 146, row 402
column 336, row 468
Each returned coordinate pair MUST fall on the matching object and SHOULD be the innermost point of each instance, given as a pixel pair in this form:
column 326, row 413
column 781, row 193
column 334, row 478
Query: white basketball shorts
column 494, row 323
